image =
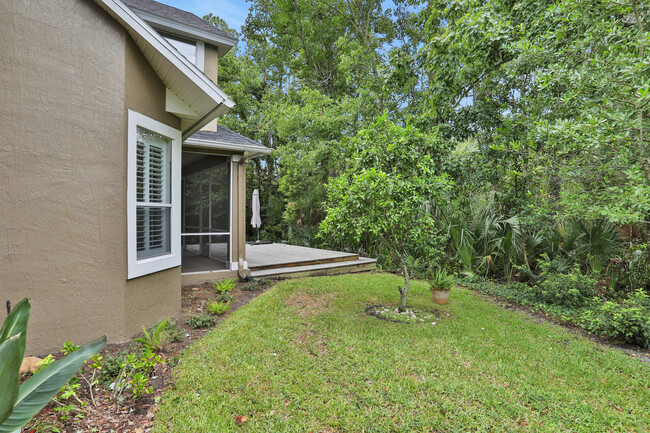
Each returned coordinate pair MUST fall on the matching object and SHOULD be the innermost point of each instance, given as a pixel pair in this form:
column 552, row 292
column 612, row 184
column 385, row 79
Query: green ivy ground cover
column 304, row 357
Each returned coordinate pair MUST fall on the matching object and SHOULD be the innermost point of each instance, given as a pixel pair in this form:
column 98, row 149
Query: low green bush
column 225, row 297
column 224, row 286
column 157, row 336
column 133, row 376
column 111, row 366
column 203, row 320
column 256, row 285
column 253, row 286
column 175, row 331
column 569, row 290
column 627, row 321
column 217, row 308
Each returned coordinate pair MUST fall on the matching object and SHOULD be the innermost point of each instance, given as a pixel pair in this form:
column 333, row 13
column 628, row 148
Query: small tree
column 383, row 199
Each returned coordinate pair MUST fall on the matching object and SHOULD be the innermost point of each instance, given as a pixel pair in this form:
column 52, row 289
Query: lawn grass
column 304, row 357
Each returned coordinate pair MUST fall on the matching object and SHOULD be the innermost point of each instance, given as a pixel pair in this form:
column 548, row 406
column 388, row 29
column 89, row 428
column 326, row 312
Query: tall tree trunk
column 404, row 291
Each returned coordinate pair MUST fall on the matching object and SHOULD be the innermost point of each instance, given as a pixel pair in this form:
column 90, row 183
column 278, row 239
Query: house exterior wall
column 154, row 296
column 211, row 69
column 211, row 65
column 62, row 160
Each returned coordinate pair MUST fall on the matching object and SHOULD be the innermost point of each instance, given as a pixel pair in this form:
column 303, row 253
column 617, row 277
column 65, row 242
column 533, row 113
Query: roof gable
column 180, row 22
column 178, row 74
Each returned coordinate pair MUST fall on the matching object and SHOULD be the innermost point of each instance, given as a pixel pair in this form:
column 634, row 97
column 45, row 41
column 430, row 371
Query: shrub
column 225, row 297
column 174, row 329
column 628, row 320
column 201, row 321
column 224, row 286
column 253, row 286
column 218, row 308
column 111, row 367
column 134, row 374
column 572, row 290
column 157, row 337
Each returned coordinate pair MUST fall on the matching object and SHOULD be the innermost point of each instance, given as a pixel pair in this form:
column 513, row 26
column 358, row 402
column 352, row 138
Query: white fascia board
column 200, row 55
column 210, row 144
column 216, row 112
column 132, row 22
column 180, row 29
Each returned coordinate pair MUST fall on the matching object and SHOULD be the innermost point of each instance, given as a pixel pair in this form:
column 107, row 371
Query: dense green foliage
column 568, row 298
column 308, row 358
column 203, row 320
column 506, row 138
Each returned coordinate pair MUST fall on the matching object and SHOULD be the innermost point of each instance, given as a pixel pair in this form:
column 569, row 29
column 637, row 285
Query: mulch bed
column 415, row 316
column 136, row 415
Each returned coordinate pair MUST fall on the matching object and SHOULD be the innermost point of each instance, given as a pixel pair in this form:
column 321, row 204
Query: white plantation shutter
column 153, row 198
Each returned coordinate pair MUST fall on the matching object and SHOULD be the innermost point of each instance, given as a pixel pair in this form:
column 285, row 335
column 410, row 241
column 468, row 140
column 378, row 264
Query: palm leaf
column 37, row 391
column 10, row 359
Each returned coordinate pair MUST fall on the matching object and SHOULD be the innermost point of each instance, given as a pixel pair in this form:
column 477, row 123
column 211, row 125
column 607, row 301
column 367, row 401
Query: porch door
column 206, row 203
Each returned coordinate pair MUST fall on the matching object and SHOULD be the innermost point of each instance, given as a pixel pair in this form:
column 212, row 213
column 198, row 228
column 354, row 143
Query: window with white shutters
column 153, row 201
column 153, row 198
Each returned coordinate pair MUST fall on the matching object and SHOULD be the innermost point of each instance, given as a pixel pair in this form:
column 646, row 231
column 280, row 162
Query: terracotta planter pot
column 440, row 296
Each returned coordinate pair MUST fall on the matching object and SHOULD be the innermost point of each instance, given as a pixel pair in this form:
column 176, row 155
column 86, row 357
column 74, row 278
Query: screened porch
column 206, row 231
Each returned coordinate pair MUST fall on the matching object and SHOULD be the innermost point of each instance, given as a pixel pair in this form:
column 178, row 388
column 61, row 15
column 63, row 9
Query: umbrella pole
column 258, row 235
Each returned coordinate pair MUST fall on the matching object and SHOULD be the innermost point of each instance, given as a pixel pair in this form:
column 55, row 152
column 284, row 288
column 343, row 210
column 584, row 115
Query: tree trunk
column 404, row 291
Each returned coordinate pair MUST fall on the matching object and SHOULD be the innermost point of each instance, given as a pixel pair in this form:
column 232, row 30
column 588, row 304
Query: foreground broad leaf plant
column 19, row 403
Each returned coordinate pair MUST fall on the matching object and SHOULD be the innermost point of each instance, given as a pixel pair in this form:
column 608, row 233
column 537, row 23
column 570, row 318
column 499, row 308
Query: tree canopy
column 535, row 114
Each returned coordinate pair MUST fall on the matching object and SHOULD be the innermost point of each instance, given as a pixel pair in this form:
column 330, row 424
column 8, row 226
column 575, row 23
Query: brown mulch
column 136, row 415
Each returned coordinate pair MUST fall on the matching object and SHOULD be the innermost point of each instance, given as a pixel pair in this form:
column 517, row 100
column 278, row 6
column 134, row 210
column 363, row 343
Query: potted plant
column 441, row 283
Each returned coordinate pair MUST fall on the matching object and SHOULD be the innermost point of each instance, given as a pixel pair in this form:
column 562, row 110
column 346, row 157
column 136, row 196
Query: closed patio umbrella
column 256, row 220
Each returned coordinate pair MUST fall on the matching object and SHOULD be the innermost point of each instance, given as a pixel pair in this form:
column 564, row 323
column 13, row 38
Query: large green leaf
column 37, row 391
column 10, row 359
column 16, row 323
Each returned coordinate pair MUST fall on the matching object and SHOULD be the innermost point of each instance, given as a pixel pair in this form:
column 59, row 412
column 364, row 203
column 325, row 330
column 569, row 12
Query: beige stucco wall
column 68, row 74
column 211, row 69
column 62, row 163
column 211, row 63
column 145, row 93
column 150, row 297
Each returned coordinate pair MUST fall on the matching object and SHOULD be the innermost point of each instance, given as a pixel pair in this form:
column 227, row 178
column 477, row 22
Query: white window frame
column 138, row 268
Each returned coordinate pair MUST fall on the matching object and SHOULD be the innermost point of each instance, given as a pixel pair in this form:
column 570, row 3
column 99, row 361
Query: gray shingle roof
column 225, row 135
column 172, row 13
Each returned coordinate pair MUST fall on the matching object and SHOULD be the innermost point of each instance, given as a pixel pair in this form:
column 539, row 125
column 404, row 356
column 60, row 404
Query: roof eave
column 217, row 145
column 224, row 43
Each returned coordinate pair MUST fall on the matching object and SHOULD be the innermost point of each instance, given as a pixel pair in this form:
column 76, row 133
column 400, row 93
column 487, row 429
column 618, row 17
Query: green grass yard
column 304, row 357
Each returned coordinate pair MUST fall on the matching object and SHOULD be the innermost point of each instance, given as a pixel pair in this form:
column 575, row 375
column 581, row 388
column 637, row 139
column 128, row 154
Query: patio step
column 361, row 264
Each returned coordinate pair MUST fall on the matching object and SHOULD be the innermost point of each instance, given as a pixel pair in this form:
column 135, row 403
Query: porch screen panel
column 219, row 179
column 153, row 198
